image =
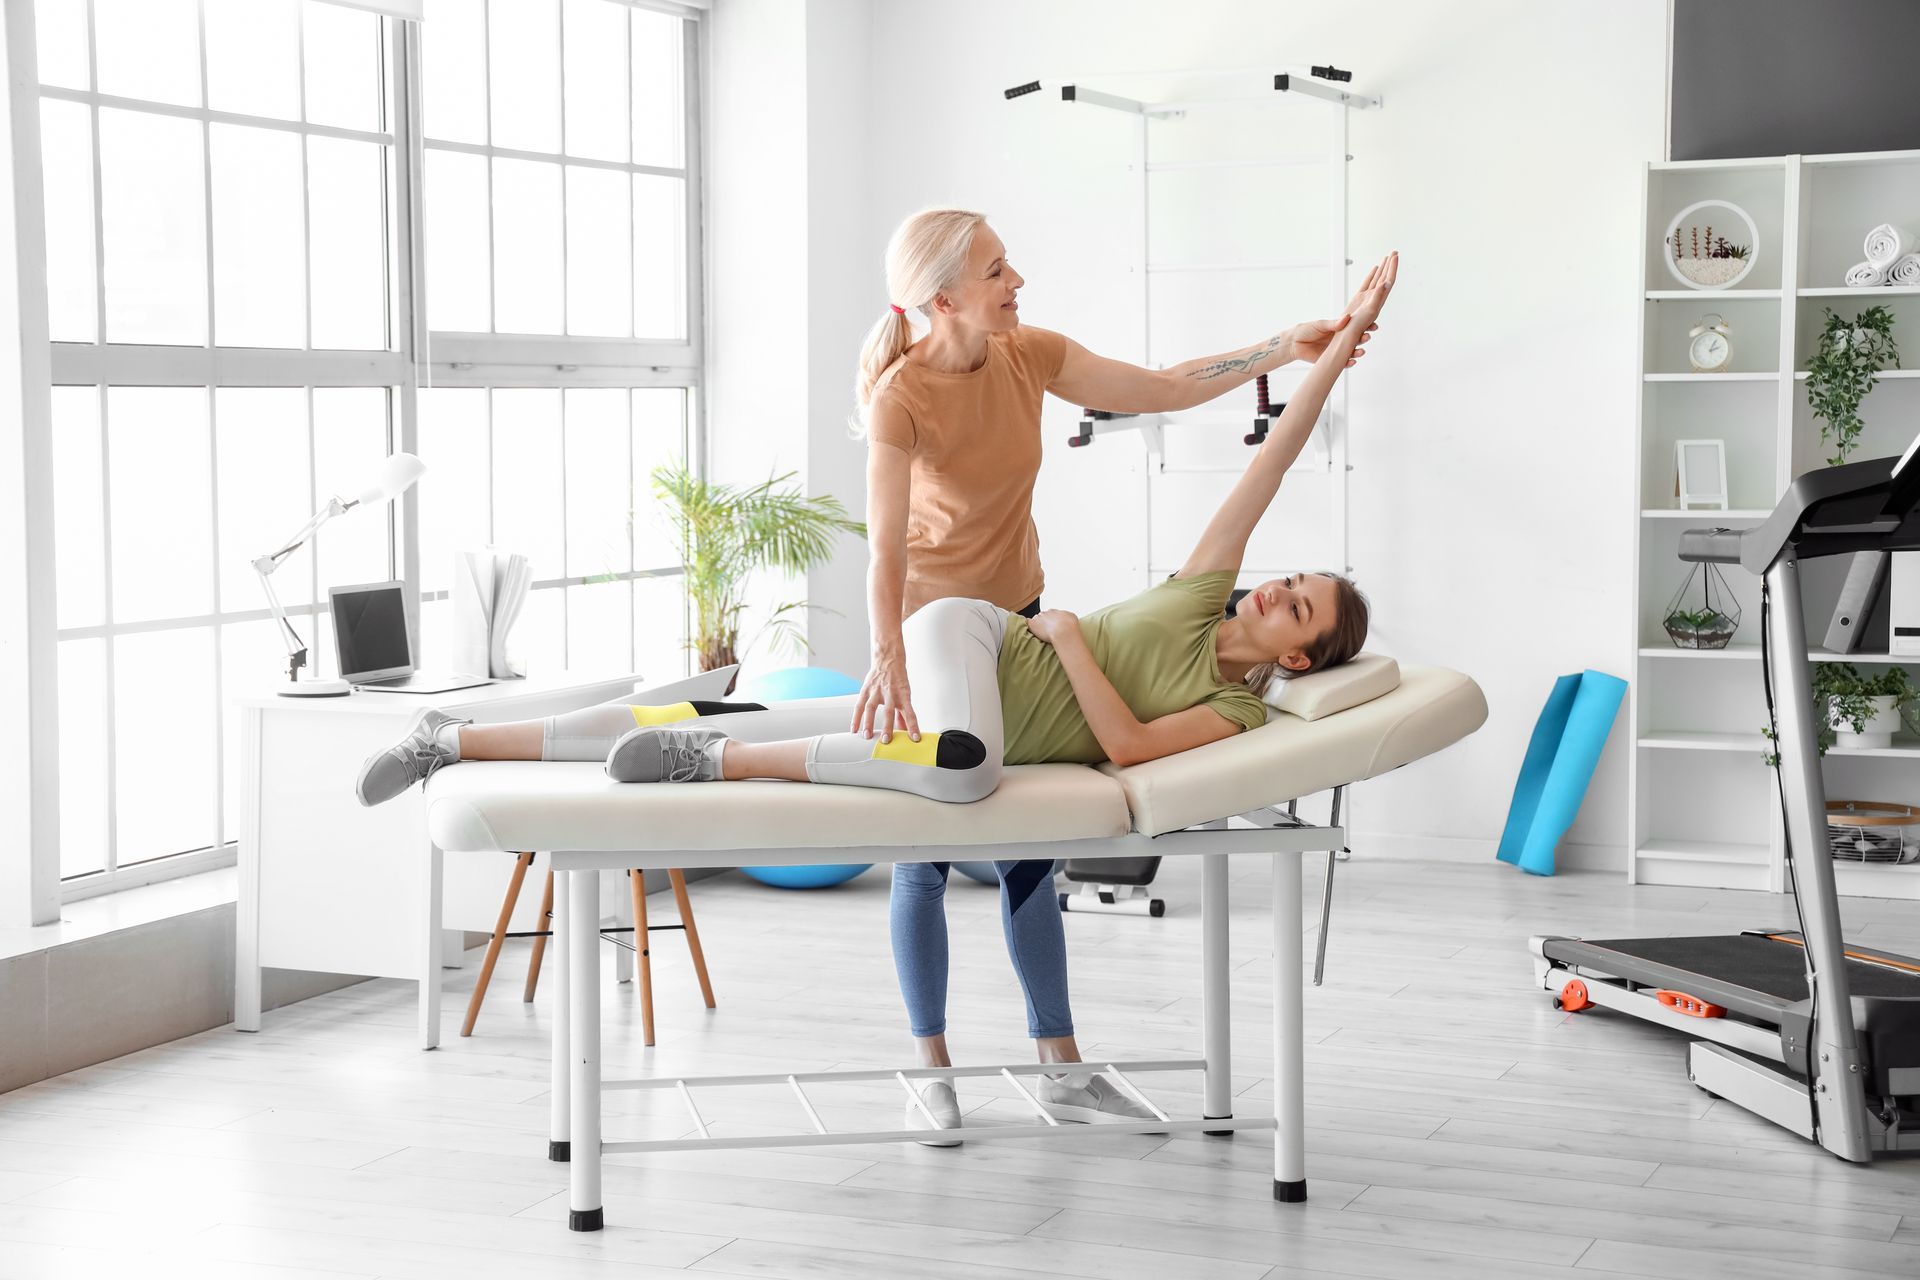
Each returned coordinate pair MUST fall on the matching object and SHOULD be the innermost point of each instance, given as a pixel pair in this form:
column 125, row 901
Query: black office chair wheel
column 1063, row 902
column 1157, row 908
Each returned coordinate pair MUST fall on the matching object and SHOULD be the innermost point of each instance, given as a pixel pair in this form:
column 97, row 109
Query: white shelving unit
column 1703, row 807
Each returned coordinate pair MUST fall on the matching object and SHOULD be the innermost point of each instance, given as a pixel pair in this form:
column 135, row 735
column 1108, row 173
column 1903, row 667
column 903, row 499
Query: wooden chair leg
column 640, row 949
column 520, row 865
column 693, row 934
column 540, row 943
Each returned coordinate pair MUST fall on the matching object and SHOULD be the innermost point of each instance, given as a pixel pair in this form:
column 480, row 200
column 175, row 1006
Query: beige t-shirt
column 975, row 443
column 1157, row 649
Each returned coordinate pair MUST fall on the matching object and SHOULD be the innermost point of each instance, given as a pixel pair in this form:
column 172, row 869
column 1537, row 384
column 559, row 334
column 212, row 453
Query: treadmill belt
column 1777, row 969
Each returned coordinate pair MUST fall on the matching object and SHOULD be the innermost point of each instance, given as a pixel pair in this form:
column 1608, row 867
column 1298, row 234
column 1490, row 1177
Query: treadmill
column 1818, row 1035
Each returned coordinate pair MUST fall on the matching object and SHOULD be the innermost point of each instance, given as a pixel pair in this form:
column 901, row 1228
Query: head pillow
column 1362, row 678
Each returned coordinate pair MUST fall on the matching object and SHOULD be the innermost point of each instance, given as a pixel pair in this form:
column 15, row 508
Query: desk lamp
column 396, row 477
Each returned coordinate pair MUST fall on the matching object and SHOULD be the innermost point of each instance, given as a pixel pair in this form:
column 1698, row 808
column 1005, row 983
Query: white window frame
column 438, row 359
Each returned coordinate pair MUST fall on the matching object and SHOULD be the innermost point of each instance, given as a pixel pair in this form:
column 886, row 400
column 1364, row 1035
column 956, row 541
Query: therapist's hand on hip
column 885, row 700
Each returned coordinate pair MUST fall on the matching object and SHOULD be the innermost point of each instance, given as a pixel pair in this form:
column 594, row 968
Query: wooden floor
column 1457, row 1124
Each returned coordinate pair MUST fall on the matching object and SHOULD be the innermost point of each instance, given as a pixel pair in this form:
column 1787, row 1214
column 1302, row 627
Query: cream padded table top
column 533, row 805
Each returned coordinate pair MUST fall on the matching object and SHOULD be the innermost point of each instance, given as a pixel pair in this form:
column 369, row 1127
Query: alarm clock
column 1709, row 346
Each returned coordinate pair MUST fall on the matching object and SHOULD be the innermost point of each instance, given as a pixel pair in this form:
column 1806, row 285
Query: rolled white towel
column 1905, row 270
column 1887, row 242
column 1864, row 275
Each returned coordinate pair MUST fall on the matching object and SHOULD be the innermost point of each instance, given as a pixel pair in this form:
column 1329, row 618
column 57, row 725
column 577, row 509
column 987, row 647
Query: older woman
column 953, row 428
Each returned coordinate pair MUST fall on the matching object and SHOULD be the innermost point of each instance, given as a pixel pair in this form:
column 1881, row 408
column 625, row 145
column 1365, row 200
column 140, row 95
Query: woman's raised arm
column 1095, row 382
column 1224, row 543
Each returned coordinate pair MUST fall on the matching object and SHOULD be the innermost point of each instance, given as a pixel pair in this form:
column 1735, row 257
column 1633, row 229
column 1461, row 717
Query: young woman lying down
column 1156, row 674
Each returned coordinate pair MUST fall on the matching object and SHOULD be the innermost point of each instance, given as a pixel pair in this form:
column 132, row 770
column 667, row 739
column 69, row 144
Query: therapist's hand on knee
column 885, row 702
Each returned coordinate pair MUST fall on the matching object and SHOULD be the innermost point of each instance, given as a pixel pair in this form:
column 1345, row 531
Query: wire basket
column 1873, row 831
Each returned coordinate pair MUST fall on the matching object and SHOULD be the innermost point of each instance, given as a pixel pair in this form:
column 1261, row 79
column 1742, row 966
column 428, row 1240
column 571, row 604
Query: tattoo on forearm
column 1240, row 363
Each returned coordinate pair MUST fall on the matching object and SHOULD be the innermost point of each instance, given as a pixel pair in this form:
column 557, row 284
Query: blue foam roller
column 1567, row 742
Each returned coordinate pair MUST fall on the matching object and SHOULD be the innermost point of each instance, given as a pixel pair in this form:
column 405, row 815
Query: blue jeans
column 1036, row 942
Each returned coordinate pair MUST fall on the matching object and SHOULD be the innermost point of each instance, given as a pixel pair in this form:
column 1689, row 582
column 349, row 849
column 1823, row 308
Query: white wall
column 1494, row 419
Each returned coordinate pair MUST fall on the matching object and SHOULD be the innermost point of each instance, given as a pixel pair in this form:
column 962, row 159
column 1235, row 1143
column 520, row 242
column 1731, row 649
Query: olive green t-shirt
column 1156, row 648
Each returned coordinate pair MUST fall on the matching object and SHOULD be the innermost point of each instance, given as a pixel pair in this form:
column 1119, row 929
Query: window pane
column 457, row 254
column 79, row 522
column 453, row 73
column 66, row 157
column 349, row 446
column 259, row 266
column 149, row 49
column 659, row 436
column 597, row 482
column 163, row 750
column 60, row 29
column 253, row 57
column 83, row 776
column 454, row 492
column 161, row 493
column 436, row 635
column 657, row 122
column 526, row 247
column 523, row 46
column 599, row 625
column 343, row 67
column 599, row 279
column 265, row 494
column 596, row 79
column 346, row 193
column 528, row 501
column 660, row 628
column 153, row 209
column 537, row 642
column 659, row 257
column 253, row 663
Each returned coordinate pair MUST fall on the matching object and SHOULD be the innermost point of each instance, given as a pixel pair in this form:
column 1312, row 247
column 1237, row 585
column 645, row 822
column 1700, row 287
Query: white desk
column 330, row 886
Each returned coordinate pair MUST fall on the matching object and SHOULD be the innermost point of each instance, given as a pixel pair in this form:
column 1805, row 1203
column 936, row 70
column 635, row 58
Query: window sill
column 124, row 909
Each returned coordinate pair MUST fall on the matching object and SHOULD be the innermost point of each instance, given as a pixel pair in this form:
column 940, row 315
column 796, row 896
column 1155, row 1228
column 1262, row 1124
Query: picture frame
column 1702, row 469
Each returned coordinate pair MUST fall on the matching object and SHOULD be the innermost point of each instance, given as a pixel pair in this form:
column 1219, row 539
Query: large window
column 286, row 238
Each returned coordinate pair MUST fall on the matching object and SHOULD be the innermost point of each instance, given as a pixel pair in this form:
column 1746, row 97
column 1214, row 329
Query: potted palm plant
column 727, row 533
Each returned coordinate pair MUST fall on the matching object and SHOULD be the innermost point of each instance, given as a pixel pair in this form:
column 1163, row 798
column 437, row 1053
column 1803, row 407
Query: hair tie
column 899, row 311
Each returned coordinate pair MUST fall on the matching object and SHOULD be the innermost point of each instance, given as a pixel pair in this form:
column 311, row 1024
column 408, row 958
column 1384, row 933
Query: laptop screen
column 370, row 628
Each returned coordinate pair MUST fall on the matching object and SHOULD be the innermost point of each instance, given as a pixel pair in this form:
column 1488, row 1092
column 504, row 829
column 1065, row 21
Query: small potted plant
column 1703, row 614
column 1841, row 373
column 1861, row 712
column 727, row 533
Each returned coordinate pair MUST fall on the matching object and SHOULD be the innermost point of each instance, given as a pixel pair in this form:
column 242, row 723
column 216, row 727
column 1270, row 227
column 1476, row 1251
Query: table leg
column 1289, row 1034
column 432, row 947
column 559, row 1095
column 583, row 953
column 246, row 913
column 1216, row 1017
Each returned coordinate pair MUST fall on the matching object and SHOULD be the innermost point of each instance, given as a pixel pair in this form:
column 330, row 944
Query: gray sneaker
column 410, row 760
column 664, row 755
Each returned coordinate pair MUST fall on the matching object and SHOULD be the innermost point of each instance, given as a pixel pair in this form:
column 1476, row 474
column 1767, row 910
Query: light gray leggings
column 953, row 659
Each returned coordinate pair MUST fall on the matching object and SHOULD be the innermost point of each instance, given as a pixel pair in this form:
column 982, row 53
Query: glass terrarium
column 1703, row 613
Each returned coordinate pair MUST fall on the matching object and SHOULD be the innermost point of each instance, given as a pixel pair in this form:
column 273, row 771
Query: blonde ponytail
column 926, row 254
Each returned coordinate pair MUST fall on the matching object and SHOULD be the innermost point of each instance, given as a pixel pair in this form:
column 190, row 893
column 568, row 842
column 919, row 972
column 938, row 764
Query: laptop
column 376, row 651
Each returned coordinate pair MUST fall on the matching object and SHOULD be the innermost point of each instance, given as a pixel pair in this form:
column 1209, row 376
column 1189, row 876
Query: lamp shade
column 396, row 477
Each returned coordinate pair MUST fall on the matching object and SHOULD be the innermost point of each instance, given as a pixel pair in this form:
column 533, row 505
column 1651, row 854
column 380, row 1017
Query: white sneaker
column 1087, row 1099
column 939, row 1097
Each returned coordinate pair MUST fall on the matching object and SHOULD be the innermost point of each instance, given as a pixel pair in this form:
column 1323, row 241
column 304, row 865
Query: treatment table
column 1338, row 727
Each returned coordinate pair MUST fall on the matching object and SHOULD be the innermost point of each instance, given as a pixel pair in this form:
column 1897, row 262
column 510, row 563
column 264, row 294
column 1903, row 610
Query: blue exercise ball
column 792, row 684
